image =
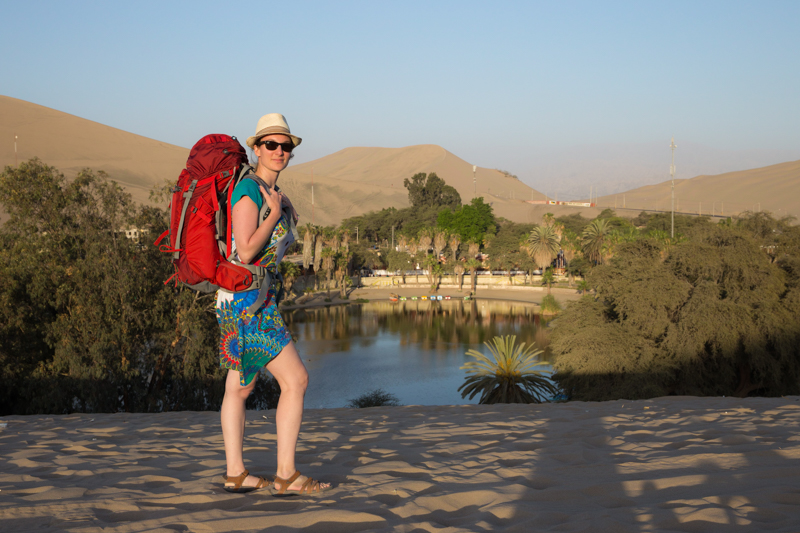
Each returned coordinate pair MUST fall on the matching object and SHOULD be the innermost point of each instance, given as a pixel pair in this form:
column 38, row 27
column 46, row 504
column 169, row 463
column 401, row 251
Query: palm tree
column 583, row 286
column 328, row 262
column 548, row 219
column 474, row 248
column 454, row 242
column 412, row 245
column 319, row 244
column 459, row 272
column 508, row 377
column 425, row 239
column 289, row 271
column 473, row 265
column 342, row 267
column 332, row 239
column 308, row 244
column 431, row 261
column 402, row 243
column 594, row 237
column 548, row 277
column 543, row 245
column 439, row 242
column 345, row 235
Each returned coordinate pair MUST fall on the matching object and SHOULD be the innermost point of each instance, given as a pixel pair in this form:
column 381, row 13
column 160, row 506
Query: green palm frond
column 509, row 376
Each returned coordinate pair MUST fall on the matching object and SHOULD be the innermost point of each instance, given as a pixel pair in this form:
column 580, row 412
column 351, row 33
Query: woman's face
column 277, row 159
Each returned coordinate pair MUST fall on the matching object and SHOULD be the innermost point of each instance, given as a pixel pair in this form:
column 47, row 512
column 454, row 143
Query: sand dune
column 71, row 144
column 348, row 183
column 669, row 464
column 775, row 188
column 357, row 180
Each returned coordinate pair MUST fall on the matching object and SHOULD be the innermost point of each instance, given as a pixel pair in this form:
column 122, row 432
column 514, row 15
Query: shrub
column 375, row 398
column 550, row 305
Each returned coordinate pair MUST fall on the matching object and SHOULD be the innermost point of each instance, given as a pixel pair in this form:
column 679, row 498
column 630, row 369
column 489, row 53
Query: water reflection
column 412, row 349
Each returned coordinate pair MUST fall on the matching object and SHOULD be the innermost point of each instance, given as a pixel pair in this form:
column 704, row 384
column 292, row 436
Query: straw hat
column 269, row 124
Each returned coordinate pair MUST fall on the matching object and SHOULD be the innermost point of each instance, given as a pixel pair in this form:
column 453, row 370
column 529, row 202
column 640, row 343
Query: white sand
column 670, row 464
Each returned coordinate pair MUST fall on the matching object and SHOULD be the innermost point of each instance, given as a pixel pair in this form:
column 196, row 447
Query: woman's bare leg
column 232, row 416
column 290, row 373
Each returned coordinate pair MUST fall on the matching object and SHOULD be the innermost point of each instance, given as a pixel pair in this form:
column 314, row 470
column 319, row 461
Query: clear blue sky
column 494, row 85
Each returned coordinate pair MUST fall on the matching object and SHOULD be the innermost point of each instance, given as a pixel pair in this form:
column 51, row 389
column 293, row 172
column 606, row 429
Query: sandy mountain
column 71, row 144
column 357, row 180
column 350, row 182
column 774, row 188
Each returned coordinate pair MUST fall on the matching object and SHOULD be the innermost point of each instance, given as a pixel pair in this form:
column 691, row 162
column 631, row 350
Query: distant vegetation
column 87, row 323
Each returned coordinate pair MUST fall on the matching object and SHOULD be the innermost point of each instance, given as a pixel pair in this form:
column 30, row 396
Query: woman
column 248, row 342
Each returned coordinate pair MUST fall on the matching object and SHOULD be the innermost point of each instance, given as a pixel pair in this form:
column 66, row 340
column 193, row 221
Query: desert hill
column 71, row 144
column 774, row 188
column 350, row 182
column 357, row 180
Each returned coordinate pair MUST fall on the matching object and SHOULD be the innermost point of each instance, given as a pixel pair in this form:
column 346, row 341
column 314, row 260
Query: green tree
column 429, row 190
column 713, row 317
column 86, row 322
column 471, row 221
column 509, row 376
column 574, row 223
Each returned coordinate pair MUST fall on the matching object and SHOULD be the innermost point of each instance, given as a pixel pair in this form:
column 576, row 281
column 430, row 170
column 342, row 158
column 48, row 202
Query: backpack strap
column 187, row 196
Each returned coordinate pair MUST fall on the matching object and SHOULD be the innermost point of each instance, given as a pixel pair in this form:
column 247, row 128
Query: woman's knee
column 296, row 382
column 235, row 389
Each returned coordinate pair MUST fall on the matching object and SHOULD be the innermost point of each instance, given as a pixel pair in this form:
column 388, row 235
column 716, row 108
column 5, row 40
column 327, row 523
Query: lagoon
column 412, row 349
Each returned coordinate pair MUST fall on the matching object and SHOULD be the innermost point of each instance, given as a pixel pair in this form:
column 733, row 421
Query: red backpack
column 200, row 214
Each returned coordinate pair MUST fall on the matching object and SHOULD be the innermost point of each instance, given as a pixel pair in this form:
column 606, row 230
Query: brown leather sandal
column 234, row 483
column 310, row 487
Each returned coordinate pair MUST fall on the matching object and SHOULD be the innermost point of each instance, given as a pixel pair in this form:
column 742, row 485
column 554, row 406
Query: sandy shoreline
column 669, row 464
column 531, row 296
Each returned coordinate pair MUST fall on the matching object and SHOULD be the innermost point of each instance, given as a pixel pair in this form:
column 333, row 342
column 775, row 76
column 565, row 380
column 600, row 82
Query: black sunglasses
column 272, row 145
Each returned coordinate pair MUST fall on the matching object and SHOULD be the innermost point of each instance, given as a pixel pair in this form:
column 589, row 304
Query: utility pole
column 356, row 234
column 474, row 182
column 15, row 150
column 312, row 196
column 672, row 173
column 392, row 237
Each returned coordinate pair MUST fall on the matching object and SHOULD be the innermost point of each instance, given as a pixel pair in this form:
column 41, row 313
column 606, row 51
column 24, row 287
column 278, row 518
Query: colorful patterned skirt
column 247, row 346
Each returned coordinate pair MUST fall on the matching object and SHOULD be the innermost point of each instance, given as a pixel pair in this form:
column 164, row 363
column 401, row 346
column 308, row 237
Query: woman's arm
column 250, row 237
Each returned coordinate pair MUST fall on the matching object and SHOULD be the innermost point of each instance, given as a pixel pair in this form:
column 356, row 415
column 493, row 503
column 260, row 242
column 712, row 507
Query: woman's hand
column 274, row 200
